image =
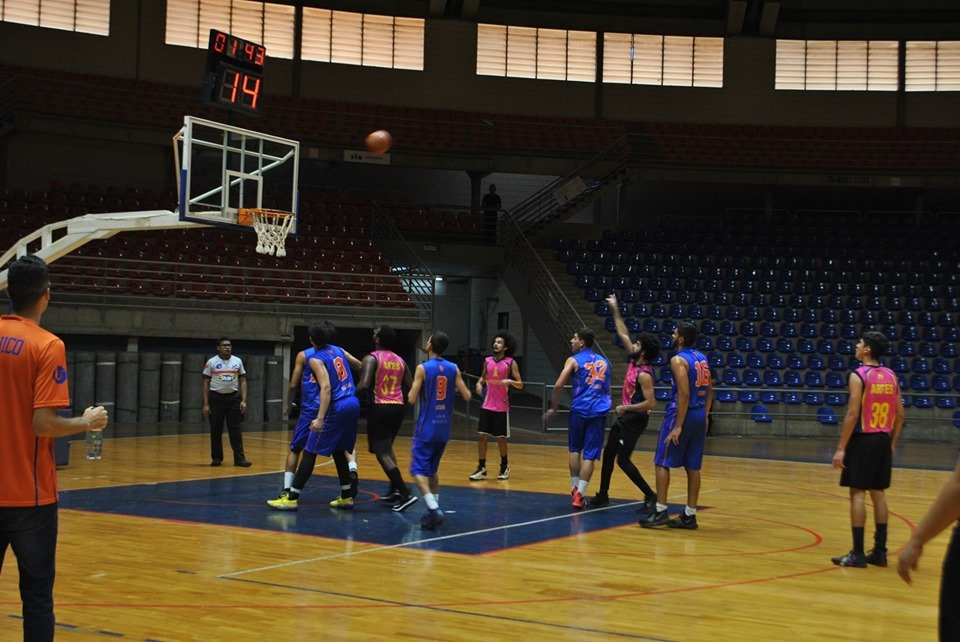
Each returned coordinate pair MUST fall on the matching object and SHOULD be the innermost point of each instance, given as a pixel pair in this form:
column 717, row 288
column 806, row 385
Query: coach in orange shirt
column 33, row 385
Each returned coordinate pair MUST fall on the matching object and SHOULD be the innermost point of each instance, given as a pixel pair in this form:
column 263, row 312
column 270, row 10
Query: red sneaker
column 577, row 499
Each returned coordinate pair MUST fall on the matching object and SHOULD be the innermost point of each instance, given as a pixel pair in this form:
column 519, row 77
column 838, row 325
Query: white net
column 272, row 228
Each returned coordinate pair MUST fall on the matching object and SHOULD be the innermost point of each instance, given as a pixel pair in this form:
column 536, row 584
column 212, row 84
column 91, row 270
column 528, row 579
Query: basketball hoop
column 271, row 226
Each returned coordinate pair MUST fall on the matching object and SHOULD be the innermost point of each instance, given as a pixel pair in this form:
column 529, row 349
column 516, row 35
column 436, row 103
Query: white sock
column 661, row 507
column 582, row 486
column 574, row 482
column 431, row 501
column 689, row 512
column 352, row 465
column 288, row 479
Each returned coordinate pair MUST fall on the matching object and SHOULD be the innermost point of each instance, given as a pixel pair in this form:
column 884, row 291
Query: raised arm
column 622, row 333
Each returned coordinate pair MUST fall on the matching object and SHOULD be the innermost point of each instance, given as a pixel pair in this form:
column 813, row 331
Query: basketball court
column 157, row 545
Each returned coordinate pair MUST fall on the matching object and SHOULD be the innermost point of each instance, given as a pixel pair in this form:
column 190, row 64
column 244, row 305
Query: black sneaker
column 354, row 484
column 599, row 500
column 215, row 462
column 877, row 557
column 657, row 518
column 648, row 506
column 688, row 522
column 391, row 497
column 243, row 463
column 403, row 501
column 431, row 519
column 853, row 559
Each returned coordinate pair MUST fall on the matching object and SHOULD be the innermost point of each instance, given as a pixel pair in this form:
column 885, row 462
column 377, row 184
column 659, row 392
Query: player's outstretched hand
column 908, row 558
column 548, row 415
column 96, row 417
column 612, row 301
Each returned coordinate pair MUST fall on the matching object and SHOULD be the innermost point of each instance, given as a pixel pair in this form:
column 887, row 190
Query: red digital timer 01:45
column 234, row 73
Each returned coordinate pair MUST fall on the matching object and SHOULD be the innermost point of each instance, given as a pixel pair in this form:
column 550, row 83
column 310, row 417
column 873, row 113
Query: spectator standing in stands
column 491, row 205
column 588, row 409
column 633, row 412
column 865, row 452
column 500, row 373
column 944, row 511
column 33, row 380
column 684, row 428
column 225, row 398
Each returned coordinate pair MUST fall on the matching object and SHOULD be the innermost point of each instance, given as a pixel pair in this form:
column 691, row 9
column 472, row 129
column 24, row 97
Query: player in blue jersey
column 333, row 431
column 431, row 385
column 588, row 409
column 684, row 429
column 303, row 378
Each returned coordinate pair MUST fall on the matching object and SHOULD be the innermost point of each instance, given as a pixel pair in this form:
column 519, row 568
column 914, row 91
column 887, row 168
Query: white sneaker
column 504, row 474
column 479, row 473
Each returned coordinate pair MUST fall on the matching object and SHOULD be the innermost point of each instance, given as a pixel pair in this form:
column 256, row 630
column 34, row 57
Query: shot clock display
column 234, row 73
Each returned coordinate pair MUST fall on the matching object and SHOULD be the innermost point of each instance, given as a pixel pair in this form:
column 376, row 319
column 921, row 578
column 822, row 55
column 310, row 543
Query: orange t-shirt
column 33, row 374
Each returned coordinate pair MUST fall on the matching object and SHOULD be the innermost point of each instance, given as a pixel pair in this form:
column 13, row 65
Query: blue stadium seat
column 775, row 360
column 651, row 325
column 826, row 416
column 733, row 313
column 715, row 359
column 788, row 329
column 647, row 296
column 751, row 313
column 748, row 329
column 925, row 319
column 952, row 334
column 602, row 309
column 735, row 360
column 791, row 398
column 808, row 330
column 919, row 364
column 845, row 346
column 784, row 345
column 945, row 403
column 751, row 378
column 836, row 362
column 724, row 343
column 835, row 399
column 627, row 296
column 676, row 311
column 704, row 343
column 835, row 380
column 829, row 316
column 825, row 347
column 867, row 317
column 584, row 282
column 813, row 379
column 658, row 311
column 754, row 360
column 930, row 333
column 769, row 397
column 946, row 320
column 639, row 310
column 744, row 344
column 921, row 401
column 899, row 364
column 765, row 345
column 948, row 350
column 665, row 375
column 794, row 361
column 610, row 325
column 714, row 312
column 773, row 314
column 927, row 349
column 815, row 362
column 805, row 346
column 731, row 377
column 906, row 349
column 728, row 328
column 940, row 383
column 810, row 316
column 694, row 311
column 849, row 331
column 812, row 398
column 768, row 329
column 828, row 331
column 791, row 379
column 726, row 396
column 633, row 325
column 747, row 397
column 919, row 382
column 772, row 378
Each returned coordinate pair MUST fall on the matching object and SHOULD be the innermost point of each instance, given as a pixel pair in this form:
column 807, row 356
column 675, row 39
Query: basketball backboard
column 222, row 169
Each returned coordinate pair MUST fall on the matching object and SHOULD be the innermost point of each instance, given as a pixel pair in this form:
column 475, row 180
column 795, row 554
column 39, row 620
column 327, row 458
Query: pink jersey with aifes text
column 387, row 388
column 881, row 394
column 493, row 370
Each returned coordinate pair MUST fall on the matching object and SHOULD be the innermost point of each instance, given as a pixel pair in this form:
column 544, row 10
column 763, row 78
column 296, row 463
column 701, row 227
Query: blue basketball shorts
column 339, row 430
column 302, row 430
column 425, row 457
column 586, row 435
column 689, row 452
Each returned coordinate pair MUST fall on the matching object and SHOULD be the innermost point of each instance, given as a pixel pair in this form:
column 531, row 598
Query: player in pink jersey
column 500, row 373
column 386, row 374
column 633, row 413
column 865, row 452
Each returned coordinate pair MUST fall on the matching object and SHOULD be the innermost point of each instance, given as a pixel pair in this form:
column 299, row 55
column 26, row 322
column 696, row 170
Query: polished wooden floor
column 758, row 568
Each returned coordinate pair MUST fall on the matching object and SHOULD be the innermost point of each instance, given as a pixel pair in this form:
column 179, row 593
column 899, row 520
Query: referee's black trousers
column 225, row 407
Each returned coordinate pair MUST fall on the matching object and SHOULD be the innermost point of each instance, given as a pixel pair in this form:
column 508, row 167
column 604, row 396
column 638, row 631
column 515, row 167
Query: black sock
column 857, row 539
column 396, row 482
column 503, row 463
column 880, row 537
column 304, row 470
column 483, row 463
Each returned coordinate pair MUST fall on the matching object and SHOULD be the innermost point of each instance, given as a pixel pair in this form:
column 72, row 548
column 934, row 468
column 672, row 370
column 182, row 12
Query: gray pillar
column 275, row 387
column 148, row 398
column 105, row 384
column 84, row 391
column 128, row 366
column 254, row 366
column 191, row 394
column 170, row 387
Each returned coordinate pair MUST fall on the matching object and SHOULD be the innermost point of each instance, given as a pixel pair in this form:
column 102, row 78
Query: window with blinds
column 83, row 16
column 933, row 66
column 837, row 65
column 530, row 52
column 680, row 61
column 189, row 23
column 363, row 39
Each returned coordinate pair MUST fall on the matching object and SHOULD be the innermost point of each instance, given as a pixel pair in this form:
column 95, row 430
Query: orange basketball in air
column 379, row 142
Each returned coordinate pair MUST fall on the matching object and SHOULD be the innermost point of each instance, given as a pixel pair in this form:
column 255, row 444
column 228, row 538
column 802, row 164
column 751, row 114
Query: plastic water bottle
column 94, row 444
